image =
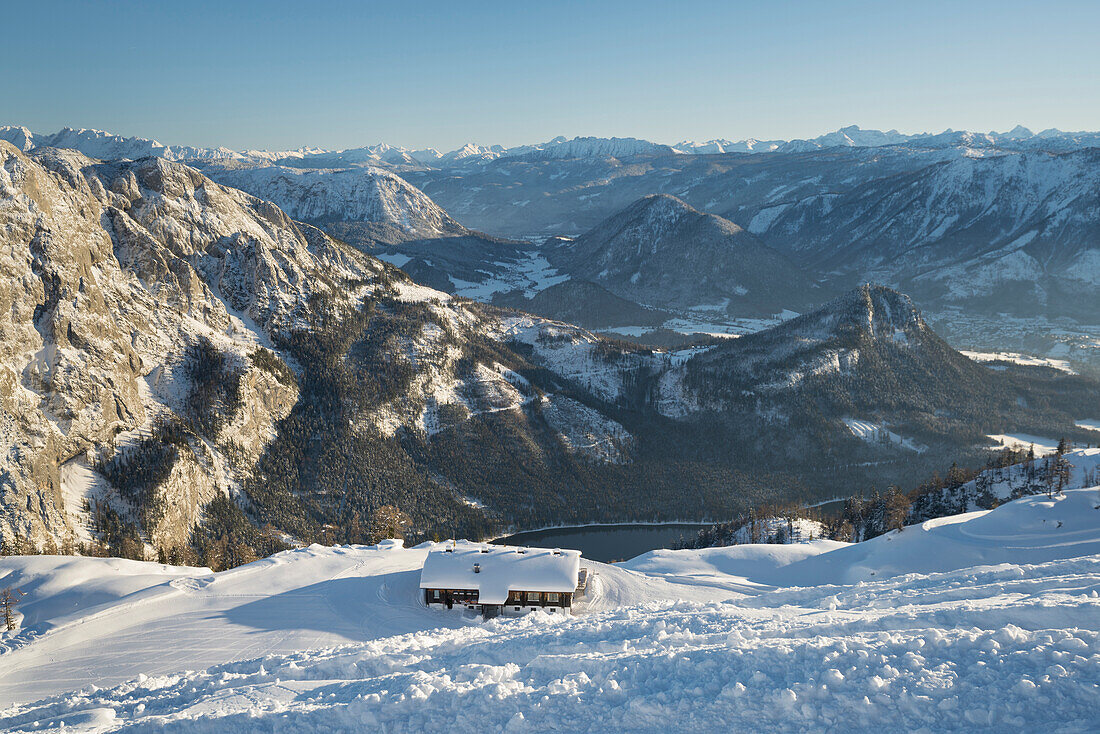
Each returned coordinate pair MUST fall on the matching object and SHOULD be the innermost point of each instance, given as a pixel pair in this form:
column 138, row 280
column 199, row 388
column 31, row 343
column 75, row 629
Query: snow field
column 986, row 620
column 715, row 666
column 93, row 621
column 1017, row 358
column 1022, row 441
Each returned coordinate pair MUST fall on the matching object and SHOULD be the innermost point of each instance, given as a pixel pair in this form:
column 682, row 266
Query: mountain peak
column 18, row 136
column 663, row 200
column 659, row 212
column 877, row 310
column 360, row 195
column 1018, row 133
column 662, row 252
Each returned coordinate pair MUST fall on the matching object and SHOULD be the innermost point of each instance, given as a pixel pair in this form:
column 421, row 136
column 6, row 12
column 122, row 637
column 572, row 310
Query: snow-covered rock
column 109, row 146
column 369, row 195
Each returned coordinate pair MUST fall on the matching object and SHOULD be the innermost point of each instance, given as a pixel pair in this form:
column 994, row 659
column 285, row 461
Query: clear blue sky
column 340, row 74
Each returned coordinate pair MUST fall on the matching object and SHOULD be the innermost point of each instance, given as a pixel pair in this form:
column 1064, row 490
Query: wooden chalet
column 499, row 579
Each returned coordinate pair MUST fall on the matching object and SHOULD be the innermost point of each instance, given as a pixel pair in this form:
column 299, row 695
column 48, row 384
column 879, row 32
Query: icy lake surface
column 607, row 543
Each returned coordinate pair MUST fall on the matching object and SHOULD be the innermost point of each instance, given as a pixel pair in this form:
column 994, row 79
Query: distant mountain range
column 100, row 144
column 986, row 231
column 971, row 224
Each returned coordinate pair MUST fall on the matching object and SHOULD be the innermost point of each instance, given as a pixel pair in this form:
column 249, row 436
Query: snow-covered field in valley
column 987, row 620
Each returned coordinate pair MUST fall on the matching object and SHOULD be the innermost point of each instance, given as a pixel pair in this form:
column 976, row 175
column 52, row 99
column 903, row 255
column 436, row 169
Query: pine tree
column 238, row 553
column 1061, row 467
column 388, row 522
column 956, row 476
column 896, row 509
column 1048, row 477
column 9, row 545
column 9, row 598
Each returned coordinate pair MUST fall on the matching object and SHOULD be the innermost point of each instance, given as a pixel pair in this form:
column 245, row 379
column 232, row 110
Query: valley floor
column 983, row 620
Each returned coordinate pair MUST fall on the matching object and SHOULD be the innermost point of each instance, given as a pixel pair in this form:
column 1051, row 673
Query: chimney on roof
column 477, row 568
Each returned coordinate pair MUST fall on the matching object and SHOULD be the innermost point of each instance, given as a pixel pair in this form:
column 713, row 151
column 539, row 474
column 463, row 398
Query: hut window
column 435, row 594
column 532, row 596
column 552, row 596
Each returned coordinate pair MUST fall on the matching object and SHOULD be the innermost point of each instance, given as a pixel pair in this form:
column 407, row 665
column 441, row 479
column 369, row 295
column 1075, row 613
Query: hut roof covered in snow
column 501, row 568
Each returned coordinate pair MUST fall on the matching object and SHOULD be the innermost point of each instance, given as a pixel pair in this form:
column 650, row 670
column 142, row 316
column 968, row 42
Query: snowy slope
column 986, row 620
column 1031, row 530
column 102, row 621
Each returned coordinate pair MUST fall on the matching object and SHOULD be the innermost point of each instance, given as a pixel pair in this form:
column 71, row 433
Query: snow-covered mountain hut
column 499, row 579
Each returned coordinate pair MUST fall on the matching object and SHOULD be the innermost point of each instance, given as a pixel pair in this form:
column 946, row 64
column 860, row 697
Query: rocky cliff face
column 112, row 273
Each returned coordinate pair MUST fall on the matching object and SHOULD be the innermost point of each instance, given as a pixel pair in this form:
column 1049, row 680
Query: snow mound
column 1030, row 530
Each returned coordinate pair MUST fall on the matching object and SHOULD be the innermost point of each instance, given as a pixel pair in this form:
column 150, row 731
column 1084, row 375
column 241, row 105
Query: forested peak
column 876, row 307
column 872, row 310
